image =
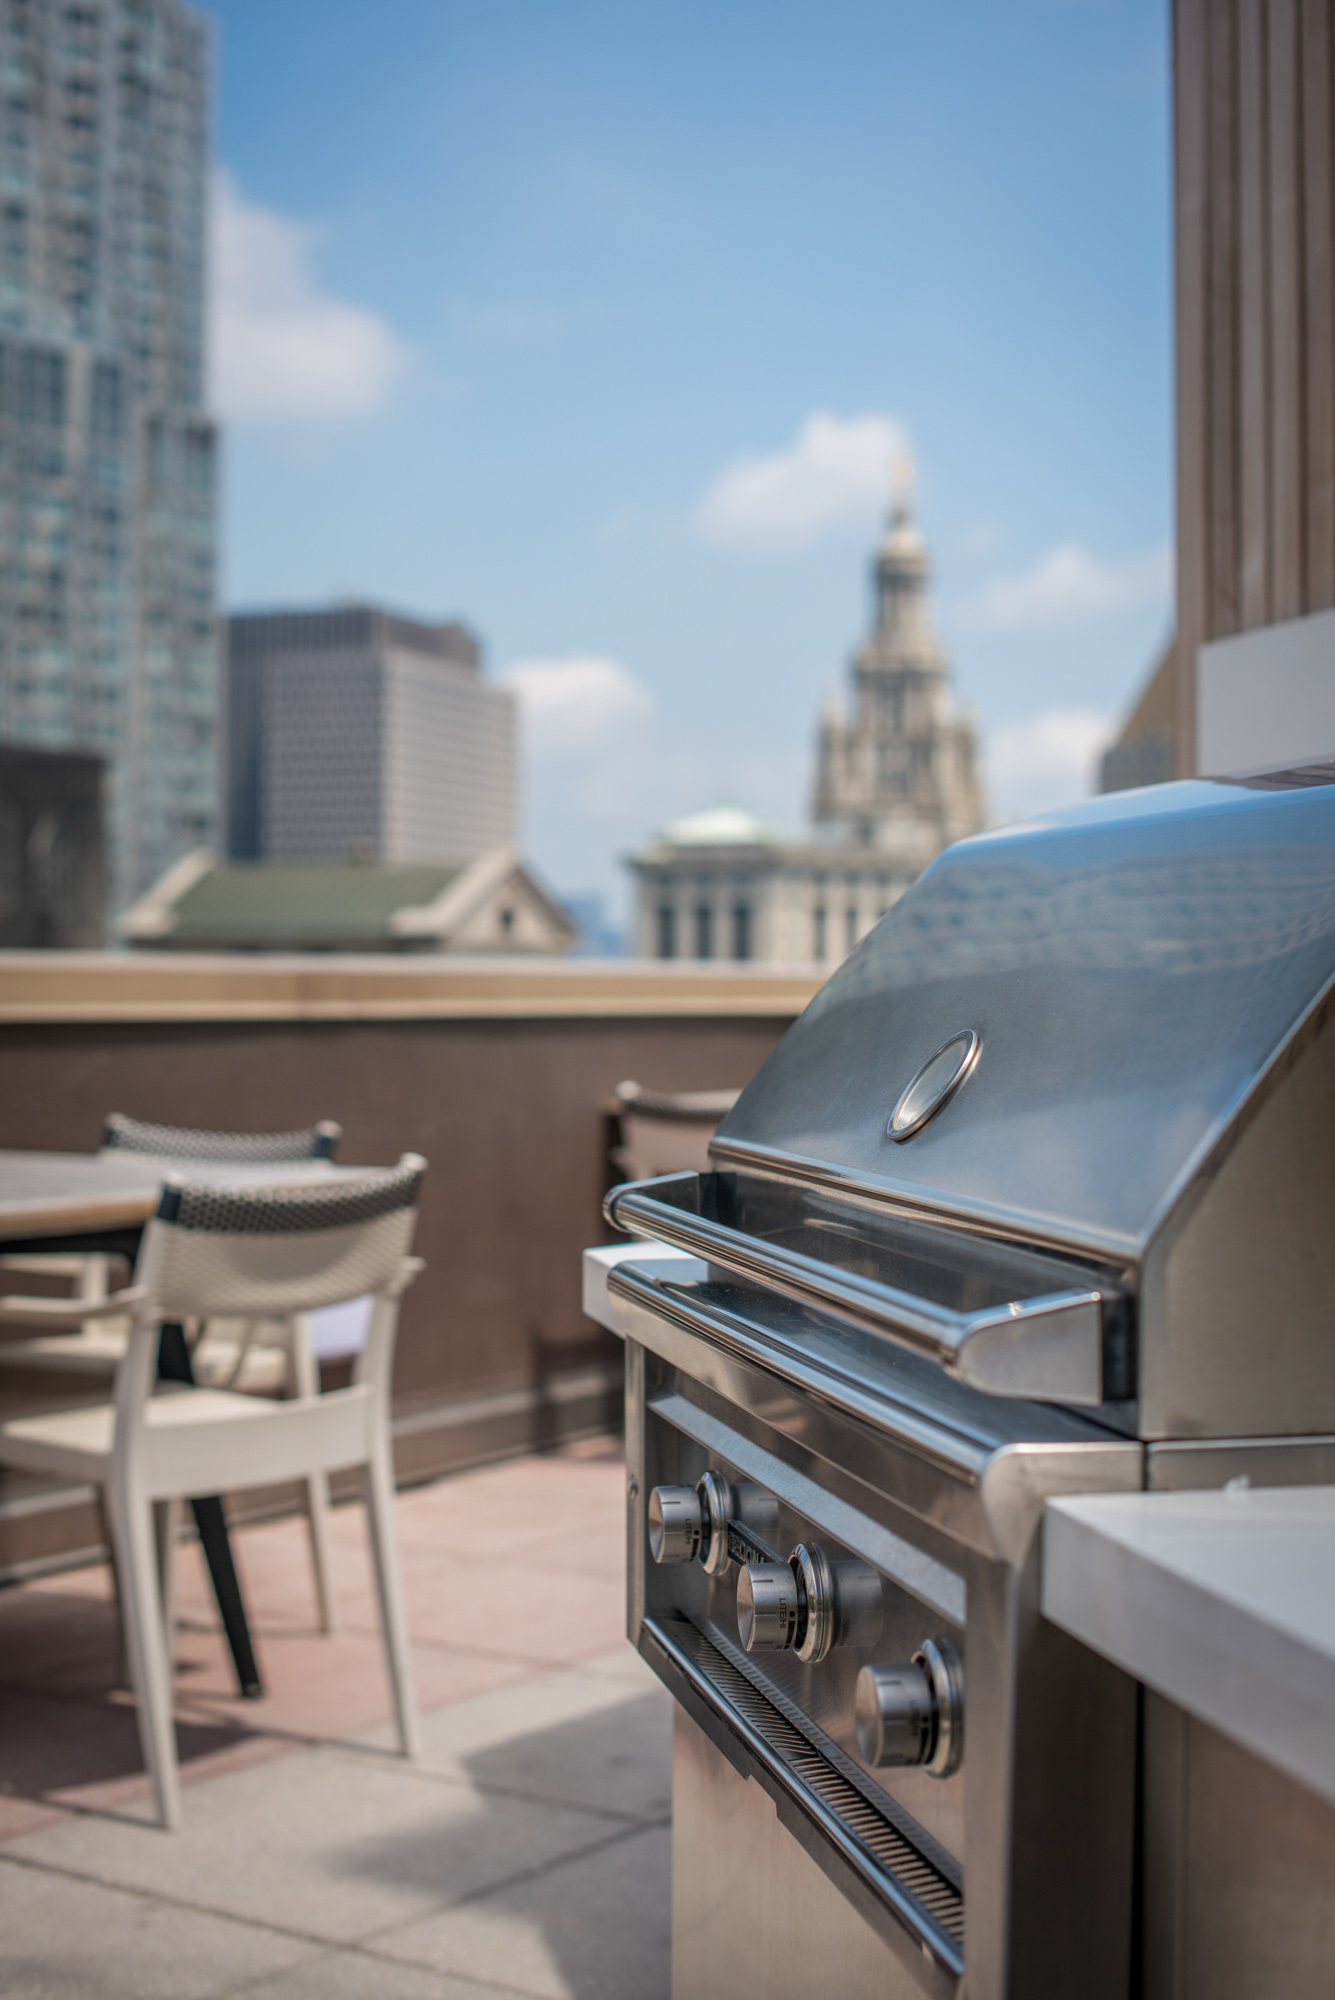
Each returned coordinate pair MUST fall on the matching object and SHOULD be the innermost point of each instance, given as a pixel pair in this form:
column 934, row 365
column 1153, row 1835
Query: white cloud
column 837, row 469
column 1046, row 761
column 577, row 706
column 280, row 348
column 1069, row 586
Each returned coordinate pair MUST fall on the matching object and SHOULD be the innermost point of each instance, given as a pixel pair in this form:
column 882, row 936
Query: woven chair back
column 182, row 1142
column 270, row 1251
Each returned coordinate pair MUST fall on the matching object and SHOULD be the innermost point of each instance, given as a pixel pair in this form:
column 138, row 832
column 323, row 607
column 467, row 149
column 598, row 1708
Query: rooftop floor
column 527, row 1853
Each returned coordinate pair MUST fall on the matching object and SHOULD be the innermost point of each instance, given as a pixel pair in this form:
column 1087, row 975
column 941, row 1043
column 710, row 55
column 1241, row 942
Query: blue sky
column 596, row 325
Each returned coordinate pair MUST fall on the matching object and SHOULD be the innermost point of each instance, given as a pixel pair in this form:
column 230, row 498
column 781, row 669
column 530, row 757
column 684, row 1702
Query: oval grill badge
column 935, row 1084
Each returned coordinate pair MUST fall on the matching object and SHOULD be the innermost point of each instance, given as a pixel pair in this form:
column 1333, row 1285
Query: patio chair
column 260, row 1251
column 247, row 1355
column 667, row 1131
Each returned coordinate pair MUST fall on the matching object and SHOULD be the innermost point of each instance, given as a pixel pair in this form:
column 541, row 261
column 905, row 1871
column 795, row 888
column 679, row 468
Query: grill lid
column 1133, row 969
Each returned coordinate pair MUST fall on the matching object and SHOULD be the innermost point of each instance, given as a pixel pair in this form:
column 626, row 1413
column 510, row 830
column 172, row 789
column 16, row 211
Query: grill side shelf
column 898, row 1889
column 1048, row 1348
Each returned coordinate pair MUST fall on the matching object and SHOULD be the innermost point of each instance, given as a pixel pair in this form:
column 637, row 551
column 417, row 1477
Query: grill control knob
column 768, row 1606
column 913, row 1714
column 816, row 1583
column 716, row 1510
column 675, row 1524
column 788, row 1604
column 690, row 1521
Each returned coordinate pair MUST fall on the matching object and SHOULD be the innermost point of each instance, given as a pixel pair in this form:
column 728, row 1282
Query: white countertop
column 1223, row 1601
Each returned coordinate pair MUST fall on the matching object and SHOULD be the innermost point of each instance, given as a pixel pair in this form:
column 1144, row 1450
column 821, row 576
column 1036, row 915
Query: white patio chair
column 261, row 1251
column 250, row 1355
column 667, row 1131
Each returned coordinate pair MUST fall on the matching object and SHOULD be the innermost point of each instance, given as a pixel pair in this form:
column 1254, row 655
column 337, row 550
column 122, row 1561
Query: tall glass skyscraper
column 108, row 635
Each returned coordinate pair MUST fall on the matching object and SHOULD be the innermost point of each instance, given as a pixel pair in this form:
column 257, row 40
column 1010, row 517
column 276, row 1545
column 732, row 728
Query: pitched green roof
column 277, row 907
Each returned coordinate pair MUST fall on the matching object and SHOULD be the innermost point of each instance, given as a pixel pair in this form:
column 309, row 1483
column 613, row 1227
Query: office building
column 897, row 781
column 355, row 734
column 108, row 643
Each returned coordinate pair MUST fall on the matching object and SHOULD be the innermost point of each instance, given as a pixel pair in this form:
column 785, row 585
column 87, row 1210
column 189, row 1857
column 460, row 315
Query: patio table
column 92, row 1202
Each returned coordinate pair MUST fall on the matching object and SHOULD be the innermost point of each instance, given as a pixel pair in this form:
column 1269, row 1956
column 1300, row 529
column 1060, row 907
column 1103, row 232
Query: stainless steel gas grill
column 1034, row 1200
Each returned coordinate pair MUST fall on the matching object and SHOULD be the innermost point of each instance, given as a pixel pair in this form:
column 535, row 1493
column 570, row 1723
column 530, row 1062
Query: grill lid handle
column 1046, row 1349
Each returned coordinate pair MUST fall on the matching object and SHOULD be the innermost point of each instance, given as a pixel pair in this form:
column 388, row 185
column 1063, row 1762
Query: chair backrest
column 269, row 1251
column 179, row 1142
column 272, row 1251
column 667, row 1132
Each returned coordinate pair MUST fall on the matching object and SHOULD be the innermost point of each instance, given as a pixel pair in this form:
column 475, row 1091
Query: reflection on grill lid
column 1138, row 970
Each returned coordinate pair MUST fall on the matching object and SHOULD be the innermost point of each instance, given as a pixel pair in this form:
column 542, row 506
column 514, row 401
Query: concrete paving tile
column 621, row 1663
column 332, row 1846
column 320, row 1690
column 18, row 1816
column 317, row 1688
column 61, row 1751
column 497, row 1507
column 568, row 1737
column 596, row 1928
column 64, row 1939
column 527, row 1612
column 60, row 1633
column 601, row 1553
column 355, row 1975
column 274, row 1568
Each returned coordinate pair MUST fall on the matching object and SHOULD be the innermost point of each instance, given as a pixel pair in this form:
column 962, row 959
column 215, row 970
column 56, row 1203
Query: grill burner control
column 690, row 1521
column 913, row 1714
column 792, row 1604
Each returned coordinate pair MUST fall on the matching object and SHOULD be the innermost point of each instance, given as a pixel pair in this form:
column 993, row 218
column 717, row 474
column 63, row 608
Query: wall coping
column 122, row 986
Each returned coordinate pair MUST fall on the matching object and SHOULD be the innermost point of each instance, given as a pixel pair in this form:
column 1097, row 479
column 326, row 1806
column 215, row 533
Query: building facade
column 108, row 639
column 355, row 734
column 897, row 780
column 898, row 774
column 52, row 851
column 1142, row 753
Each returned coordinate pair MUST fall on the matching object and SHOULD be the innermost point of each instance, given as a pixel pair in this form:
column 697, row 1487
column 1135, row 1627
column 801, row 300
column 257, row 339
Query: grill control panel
column 860, row 1665
column 807, row 1603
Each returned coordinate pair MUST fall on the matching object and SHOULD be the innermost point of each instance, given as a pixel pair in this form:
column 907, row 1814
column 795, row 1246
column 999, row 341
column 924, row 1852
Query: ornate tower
column 899, row 775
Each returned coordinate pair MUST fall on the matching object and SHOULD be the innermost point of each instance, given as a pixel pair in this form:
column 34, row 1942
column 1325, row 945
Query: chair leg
column 389, row 1588
column 150, row 1673
column 322, row 1555
column 167, row 1530
column 304, row 1381
column 117, row 1587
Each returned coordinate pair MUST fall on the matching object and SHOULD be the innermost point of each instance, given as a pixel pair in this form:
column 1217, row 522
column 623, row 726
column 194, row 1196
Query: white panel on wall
column 1266, row 699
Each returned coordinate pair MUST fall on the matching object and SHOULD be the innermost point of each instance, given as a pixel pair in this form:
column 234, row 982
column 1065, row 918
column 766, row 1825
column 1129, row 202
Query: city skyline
column 108, row 640
column 595, row 331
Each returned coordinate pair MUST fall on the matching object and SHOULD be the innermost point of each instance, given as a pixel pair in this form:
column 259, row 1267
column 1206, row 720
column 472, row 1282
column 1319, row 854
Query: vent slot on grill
column 905, row 1881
